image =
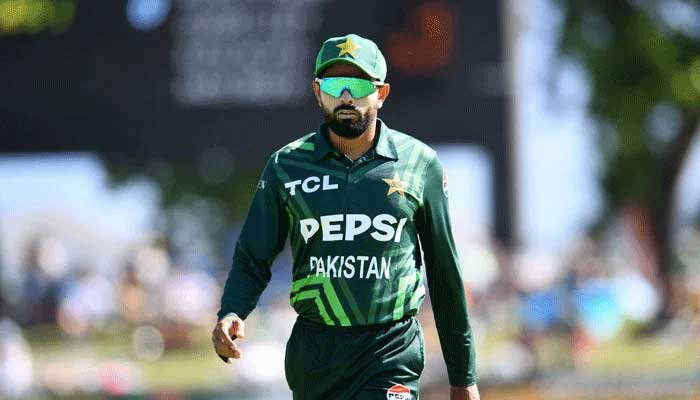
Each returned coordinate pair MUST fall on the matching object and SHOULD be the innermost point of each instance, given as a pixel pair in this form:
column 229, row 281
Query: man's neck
column 355, row 147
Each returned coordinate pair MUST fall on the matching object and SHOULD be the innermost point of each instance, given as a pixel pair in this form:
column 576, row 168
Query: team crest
column 395, row 185
column 398, row 392
column 348, row 47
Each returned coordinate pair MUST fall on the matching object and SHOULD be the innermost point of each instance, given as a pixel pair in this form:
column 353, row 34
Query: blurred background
column 132, row 134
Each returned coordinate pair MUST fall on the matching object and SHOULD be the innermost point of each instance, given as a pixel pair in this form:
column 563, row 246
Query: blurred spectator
column 16, row 374
column 132, row 297
column 140, row 281
column 189, row 297
column 86, row 303
column 46, row 262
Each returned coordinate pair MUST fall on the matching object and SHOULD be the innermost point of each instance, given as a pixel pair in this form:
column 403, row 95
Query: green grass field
column 195, row 368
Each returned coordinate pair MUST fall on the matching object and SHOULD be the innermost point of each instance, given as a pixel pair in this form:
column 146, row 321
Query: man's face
column 347, row 116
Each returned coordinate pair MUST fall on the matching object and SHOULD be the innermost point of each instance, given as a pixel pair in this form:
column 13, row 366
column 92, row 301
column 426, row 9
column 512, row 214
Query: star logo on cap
column 349, row 47
column 395, row 185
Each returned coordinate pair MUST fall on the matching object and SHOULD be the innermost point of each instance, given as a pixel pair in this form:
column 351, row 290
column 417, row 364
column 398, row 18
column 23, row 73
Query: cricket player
column 358, row 201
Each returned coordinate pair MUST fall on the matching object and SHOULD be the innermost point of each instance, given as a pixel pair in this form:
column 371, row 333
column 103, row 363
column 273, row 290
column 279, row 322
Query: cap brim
column 350, row 61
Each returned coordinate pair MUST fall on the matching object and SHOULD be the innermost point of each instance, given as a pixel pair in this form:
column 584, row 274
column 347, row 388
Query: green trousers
column 376, row 362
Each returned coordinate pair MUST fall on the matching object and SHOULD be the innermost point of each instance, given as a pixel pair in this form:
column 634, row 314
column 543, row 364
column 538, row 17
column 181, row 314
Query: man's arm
column 262, row 238
column 445, row 281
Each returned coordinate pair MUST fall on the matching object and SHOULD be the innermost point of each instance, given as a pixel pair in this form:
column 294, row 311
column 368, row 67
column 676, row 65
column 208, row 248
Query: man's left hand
column 464, row 393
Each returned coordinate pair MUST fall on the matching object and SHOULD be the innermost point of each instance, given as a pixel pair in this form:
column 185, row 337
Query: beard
column 349, row 127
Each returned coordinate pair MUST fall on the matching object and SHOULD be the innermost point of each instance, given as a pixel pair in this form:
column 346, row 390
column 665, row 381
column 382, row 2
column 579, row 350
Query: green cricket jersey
column 355, row 229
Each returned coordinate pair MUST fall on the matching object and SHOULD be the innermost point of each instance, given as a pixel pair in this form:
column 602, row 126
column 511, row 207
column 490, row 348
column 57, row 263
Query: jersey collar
column 385, row 146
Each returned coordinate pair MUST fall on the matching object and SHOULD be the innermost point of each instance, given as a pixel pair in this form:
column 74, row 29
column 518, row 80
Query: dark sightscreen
column 238, row 74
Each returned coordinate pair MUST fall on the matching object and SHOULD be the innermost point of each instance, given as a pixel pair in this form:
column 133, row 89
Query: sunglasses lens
column 358, row 88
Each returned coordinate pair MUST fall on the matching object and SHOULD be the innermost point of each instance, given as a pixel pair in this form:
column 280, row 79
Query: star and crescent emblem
column 395, row 185
column 348, row 47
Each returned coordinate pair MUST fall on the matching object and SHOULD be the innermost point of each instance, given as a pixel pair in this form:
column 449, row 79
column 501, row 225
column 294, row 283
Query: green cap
column 352, row 49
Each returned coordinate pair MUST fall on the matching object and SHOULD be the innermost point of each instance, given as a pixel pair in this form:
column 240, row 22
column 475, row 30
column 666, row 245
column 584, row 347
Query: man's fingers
column 225, row 332
column 224, row 359
column 234, row 326
column 237, row 329
column 222, row 337
column 223, row 344
column 226, row 350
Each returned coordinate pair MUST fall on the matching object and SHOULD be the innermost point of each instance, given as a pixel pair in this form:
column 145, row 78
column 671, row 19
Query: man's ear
column 317, row 91
column 383, row 93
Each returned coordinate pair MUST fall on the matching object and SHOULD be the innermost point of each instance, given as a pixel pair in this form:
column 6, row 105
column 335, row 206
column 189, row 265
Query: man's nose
column 346, row 97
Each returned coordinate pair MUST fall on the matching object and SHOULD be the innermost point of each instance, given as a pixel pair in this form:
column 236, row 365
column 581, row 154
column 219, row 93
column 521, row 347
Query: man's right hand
column 230, row 327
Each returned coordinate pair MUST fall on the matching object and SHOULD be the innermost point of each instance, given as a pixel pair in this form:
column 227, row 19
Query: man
column 354, row 197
